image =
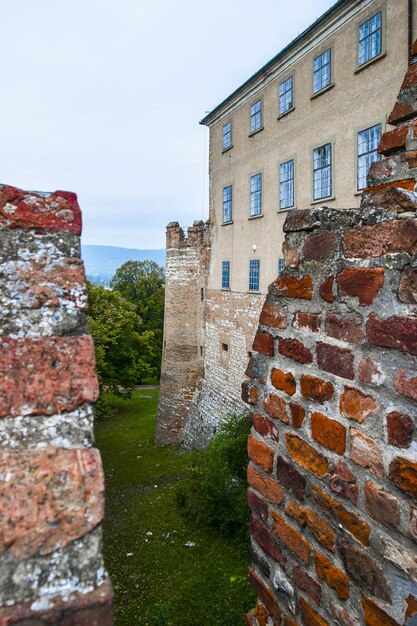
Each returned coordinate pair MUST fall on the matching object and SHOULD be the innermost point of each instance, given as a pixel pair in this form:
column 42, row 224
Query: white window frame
column 281, row 182
column 331, row 169
column 256, row 117
column 252, row 289
column 229, row 133
column 226, row 201
column 253, row 195
column 315, row 71
column 224, row 261
column 380, row 123
column 281, row 110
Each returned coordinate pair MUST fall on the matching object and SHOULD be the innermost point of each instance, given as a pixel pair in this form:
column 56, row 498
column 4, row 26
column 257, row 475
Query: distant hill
column 101, row 262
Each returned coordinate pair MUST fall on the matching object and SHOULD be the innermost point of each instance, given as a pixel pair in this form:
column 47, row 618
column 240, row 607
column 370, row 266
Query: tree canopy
column 124, row 350
column 142, row 284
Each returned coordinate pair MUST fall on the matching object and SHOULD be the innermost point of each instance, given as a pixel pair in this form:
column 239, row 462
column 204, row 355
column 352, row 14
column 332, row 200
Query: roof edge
column 206, row 120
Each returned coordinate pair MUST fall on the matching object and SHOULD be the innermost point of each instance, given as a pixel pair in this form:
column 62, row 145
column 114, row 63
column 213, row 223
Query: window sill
column 255, row 132
column 319, row 93
column 368, row 63
column 290, row 208
column 254, row 291
column 359, row 193
column 227, row 149
column 225, row 289
column 281, row 115
column 227, row 223
column 255, row 217
column 322, row 201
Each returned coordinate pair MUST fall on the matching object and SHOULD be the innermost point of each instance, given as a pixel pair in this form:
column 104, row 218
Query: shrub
column 214, row 489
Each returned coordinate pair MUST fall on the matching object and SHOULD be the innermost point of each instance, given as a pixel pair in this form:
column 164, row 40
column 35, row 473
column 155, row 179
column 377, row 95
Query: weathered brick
column 309, row 321
column 381, row 505
column 283, row 381
column 403, row 473
column 259, row 562
column 273, row 315
column 343, row 482
column 356, row 405
column 257, row 505
column 290, row 478
column 265, row 426
column 400, row 429
column 366, row 452
column 335, row 360
column 395, row 332
column 261, row 615
column 294, row 287
column 361, row 283
column 370, row 372
column 276, row 407
column 326, row 289
column 401, row 111
column 260, row 453
column 319, row 246
column 291, row 538
column 358, row 528
column 373, row 615
column 307, row 517
column 332, row 576
column 298, row 414
column 407, row 291
column 57, row 497
column 316, row 389
column 328, row 432
column 295, row 349
column 291, row 255
column 289, row 621
column 263, row 537
column 46, row 375
column 412, row 523
column 406, row 386
column 344, row 328
column 264, row 594
column 411, row 606
column 309, row 616
column 54, row 212
column 391, row 198
column 342, row 616
column 264, row 343
column 393, row 140
column 364, row 571
column 379, row 239
column 266, row 486
column 253, row 394
column 306, row 456
column 94, row 608
column 307, row 583
column 400, row 557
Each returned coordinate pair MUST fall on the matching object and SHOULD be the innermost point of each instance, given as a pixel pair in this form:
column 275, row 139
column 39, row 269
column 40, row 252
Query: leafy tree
column 142, row 283
column 123, row 350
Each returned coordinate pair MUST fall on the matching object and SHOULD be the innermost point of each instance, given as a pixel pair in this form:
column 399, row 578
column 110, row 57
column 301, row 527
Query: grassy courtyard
column 158, row 580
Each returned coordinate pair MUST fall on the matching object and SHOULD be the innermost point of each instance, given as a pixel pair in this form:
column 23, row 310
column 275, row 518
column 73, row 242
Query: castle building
column 302, row 131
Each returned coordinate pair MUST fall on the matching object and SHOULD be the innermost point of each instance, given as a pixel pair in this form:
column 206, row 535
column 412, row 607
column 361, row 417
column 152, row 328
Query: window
column 225, row 274
column 322, row 172
column 370, row 39
column 256, row 116
column 281, row 265
column 368, row 141
column 286, row 102
column 286, row 185
column 322, row 71
column 227, row 136
column 256, row 195
column 254, row 267
column 227, row 204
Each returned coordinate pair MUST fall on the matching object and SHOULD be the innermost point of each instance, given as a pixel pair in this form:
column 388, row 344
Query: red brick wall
column 333, row 389
column 51, row 478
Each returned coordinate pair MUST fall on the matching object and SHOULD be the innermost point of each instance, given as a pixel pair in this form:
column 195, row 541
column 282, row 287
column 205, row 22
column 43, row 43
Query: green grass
column 161, row 582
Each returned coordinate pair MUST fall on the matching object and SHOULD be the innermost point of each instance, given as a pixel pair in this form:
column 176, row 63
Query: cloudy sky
column 103, row 97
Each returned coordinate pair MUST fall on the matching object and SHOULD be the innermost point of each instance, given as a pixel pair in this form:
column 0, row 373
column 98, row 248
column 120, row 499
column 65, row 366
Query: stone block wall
column 333, row 390
column 51, row 478
column 187, row 259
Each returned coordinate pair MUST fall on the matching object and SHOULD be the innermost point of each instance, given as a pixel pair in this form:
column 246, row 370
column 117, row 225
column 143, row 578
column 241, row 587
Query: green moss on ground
column 157, row 580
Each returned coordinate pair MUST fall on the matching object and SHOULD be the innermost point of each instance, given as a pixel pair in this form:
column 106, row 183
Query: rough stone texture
column 344, row 458
column 182, row 358
column 51, row 479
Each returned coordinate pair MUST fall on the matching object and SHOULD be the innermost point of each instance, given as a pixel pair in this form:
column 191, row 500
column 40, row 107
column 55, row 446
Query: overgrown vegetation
column 214, row 489
column 159, row 580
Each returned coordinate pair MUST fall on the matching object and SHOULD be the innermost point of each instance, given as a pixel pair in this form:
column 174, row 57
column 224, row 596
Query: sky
column 104, row 98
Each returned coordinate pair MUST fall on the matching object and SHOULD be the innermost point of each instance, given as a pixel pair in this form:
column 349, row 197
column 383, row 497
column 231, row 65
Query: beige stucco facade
column 357, row 98
column 226, row 319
